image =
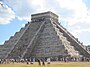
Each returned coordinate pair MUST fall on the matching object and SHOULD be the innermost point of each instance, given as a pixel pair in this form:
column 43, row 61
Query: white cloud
column 79, row 10
column 22, row 25
column 82, row 35
column 1, row 43
column 28, row 18
column 81, row 14
column 83, row 30
column 6, row 14
column 38, row 4
column 77, row 30
column 21, row 8
column 25, row 8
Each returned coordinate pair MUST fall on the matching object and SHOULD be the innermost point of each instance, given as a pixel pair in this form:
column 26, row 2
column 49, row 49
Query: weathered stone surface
column 42, row 37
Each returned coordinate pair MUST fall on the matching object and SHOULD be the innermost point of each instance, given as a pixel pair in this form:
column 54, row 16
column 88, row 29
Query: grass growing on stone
column 53, row 64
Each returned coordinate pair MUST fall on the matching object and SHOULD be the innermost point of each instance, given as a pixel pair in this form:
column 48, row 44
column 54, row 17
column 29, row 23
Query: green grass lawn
column 53, row 64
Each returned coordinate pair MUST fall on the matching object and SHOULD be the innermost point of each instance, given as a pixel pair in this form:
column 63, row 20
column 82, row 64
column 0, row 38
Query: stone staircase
column 74, row 42
column 32, row 44
column 68, row 47
column 9, row 44
column 15, row 46
column 48, row 44
column 24, row 40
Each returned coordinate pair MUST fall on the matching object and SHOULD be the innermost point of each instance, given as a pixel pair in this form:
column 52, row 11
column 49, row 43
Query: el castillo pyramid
column 44, row 36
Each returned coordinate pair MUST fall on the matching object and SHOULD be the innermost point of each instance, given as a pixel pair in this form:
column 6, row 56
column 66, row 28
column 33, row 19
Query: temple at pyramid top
column 42, row 16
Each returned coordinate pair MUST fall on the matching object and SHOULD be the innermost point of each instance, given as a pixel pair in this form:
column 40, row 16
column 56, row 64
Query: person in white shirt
column 48, row 60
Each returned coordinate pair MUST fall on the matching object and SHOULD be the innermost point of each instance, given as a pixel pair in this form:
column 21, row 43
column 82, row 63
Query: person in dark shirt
column 39, row 62
column 43, row 62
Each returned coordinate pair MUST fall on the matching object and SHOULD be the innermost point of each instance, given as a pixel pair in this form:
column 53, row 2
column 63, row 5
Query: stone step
column 24, row 40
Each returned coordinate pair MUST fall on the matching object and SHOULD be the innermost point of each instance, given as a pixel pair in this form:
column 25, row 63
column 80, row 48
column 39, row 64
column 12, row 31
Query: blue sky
column 74, row 15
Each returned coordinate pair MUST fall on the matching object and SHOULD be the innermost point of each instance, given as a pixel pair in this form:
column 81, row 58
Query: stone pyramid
column 42, row 37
